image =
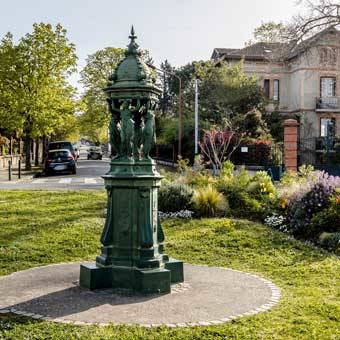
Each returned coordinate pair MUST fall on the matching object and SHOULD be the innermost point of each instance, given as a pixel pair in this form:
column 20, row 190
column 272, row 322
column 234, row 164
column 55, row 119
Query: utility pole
column 180, row 116
column 196, row 116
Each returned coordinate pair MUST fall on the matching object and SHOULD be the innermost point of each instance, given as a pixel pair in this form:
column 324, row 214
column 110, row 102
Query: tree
column 95, row 119
column 270, row 32
column 226, row 92
column 274, row 122
column 317, row 15
column 166, row 98
column 314, row 16
column 251, row 124
column 10, row 118
column 36, row 87
column 218, row 145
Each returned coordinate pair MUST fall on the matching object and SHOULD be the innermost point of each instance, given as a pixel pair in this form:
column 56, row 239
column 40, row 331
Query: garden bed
column 39, row 227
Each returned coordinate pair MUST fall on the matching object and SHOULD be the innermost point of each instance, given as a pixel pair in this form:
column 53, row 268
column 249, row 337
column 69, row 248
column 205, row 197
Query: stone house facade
column 304, row 81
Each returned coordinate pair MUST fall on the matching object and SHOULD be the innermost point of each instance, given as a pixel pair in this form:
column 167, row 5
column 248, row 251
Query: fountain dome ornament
column 132, row 254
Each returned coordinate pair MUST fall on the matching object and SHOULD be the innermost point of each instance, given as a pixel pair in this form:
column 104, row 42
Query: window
column 327, row 87
column 266, row 85
column 327, row 127
column 276, row 92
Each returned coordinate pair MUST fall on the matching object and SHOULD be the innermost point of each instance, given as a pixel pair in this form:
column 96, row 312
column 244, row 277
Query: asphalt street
column 88, row 176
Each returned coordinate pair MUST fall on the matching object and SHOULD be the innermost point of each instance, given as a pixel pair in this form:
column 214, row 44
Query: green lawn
column 39, row 227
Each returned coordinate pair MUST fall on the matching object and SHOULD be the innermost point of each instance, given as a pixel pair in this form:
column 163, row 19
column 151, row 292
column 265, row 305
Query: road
column 88, row 176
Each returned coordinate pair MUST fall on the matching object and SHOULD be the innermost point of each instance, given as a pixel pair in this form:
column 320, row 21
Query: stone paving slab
column 209, row 295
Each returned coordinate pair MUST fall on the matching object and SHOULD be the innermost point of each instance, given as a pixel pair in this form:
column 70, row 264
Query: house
column 303, row 80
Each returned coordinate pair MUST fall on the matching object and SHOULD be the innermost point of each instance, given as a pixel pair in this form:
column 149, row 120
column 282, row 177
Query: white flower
column 178, row 214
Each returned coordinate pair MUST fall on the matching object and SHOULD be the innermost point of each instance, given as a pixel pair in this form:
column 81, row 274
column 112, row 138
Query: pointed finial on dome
column 133, row 46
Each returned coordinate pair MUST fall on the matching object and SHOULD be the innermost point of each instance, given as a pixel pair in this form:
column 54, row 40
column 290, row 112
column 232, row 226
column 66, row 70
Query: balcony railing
column 328, row 103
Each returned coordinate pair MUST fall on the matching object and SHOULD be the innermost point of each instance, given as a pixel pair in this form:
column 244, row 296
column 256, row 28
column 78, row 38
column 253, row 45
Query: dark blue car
column 59, row 161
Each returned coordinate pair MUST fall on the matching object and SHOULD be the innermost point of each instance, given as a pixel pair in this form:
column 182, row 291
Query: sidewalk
column 25, row 175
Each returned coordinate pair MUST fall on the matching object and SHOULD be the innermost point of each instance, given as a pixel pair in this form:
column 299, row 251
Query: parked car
column 58, row 161
column 62, row 145
column 94, row 152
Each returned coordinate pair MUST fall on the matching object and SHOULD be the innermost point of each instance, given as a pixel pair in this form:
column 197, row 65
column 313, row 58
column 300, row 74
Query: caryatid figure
column 149, row 135
column 115, row 129
column 127, row 128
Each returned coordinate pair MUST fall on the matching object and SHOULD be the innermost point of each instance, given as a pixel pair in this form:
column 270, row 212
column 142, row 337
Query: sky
column 177, row 30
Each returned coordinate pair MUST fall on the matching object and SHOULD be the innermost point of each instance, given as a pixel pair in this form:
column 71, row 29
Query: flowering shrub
column 328, row 220
column 234, row 188
column 261, row 185
column 301, row 209
column 277, row 222
column 184, row 214
column 294, row 185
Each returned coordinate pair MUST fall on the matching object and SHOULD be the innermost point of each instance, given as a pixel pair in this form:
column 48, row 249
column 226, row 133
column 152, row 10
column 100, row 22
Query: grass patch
column 40, row 227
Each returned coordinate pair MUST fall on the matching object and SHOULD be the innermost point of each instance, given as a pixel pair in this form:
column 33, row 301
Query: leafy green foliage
column 174, row 197
column 327, row 220
column 95, row 119
column 247, row 195
column 252, row 125
column 260, row 185
column 226, row 96
column 227, row 92
column 274, row 121
column 35, row 97
column 271, row 32
column 331, row 241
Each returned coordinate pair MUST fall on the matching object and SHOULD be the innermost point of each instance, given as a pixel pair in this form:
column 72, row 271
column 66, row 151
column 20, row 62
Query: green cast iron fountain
column 132, row 240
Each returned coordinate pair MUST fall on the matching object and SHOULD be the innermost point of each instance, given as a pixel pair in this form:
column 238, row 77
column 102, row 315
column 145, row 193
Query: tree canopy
column 95, row 118
column 270, row 32
column 35, row 97
column 227, row 97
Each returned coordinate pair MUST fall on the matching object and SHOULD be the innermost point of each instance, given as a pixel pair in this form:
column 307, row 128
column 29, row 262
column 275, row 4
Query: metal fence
column 321, row 152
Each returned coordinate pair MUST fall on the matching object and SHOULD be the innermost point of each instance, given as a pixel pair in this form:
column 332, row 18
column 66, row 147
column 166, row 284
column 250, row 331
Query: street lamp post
column 196, row 116
column 180, row 115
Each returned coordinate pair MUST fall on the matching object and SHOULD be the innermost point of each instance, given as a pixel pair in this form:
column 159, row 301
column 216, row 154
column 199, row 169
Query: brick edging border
column 273, row 301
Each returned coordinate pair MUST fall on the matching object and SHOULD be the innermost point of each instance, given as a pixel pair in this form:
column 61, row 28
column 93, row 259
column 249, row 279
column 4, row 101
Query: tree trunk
column 11, row 146
column 44, row 142
column 32, row 150
column 21, row 151
column 28, row 142
column 36, row 158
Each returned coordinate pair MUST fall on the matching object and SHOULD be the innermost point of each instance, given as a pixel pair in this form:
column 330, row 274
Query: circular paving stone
column 209, row 295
